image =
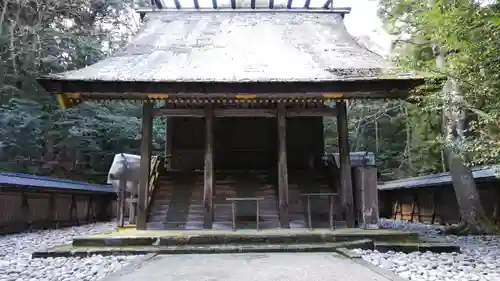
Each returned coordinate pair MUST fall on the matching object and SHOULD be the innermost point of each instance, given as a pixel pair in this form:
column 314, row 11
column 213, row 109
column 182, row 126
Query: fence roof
column 31, row 181
column 479, row 173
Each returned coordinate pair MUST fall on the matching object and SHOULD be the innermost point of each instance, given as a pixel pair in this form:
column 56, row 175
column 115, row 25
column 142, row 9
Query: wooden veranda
column 231, row 64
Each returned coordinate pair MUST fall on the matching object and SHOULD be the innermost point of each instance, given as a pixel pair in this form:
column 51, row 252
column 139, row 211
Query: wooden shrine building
column 245, row 93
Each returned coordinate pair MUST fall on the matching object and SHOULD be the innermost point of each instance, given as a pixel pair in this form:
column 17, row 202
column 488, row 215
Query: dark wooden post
column 26, row 214
column 168, row 143
column 366, row 196
column 282, row 167
column 209, row 168
column 145, row 166
column 132, row 212
column 121, row 201
column 345, row 163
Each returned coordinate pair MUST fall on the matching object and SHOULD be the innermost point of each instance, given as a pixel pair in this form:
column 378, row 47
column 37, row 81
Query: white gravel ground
column 479, row 260
column 16, row 263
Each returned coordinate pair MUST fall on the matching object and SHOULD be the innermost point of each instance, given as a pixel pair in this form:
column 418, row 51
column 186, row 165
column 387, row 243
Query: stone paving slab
column 131, row 237
column 253, row 267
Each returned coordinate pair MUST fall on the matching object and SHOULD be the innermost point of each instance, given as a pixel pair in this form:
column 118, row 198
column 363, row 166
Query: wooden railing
column 330, row 212
column 233, row 208
column 154, row 175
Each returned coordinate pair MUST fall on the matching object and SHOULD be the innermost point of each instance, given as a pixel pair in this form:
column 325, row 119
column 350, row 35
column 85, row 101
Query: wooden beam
column 327, row 4
column 177, row 4
column 157, row 3
column 145, row 163
column 244, row 112
column 226, row 112
column 381, row 88
column 282, row 167
column 179, row 112
column 345, row 163
column 313, row 97
column 209, row 169
column 321, row 10
column 311, row 112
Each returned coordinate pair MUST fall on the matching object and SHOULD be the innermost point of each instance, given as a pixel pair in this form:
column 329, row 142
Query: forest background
column 39, row 37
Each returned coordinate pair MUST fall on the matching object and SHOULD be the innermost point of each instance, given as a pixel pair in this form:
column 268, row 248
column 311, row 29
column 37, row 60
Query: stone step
column 204, row 249
column 275, row 236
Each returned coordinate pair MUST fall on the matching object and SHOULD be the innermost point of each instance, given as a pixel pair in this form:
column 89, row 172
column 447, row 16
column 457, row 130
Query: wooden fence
column 431, row 199
column 29, row 202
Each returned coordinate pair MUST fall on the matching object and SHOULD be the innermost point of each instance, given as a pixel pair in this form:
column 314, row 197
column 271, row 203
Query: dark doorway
column 245, row 143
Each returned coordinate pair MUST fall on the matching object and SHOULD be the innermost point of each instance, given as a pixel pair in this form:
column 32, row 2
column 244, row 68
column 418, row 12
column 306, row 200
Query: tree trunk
column 408, row 141
column 473, row 218
column 443, row 129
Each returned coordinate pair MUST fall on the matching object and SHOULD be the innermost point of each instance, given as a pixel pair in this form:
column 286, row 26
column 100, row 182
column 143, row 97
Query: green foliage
column 405, row 137
column 37, row 38
column 468, row 34
column 36, row 136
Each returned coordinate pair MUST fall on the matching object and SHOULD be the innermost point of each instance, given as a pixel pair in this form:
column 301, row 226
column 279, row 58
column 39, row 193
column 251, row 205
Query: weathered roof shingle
column 194, row 46
column 239, row 47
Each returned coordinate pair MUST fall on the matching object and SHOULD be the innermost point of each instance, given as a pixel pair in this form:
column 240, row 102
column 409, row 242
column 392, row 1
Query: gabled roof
column 221, row 51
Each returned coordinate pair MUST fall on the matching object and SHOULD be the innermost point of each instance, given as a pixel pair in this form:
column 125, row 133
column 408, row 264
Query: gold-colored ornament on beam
column 246, row 96
column 157, row 96
column 333, row 95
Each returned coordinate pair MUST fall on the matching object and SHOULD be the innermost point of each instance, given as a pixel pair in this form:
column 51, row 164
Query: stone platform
column 132, row 237
column 129, row 241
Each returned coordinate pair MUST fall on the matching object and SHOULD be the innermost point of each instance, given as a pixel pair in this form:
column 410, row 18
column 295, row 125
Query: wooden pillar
column 145, row 166
column 345, row 163
column 282, row 167
column 132, row 211
column 366, row 196
column 120, row 202
column 168, row 143
column 209, row 168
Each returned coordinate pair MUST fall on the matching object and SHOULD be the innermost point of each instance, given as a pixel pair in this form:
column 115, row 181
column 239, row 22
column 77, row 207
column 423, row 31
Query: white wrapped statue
column 126, row 168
